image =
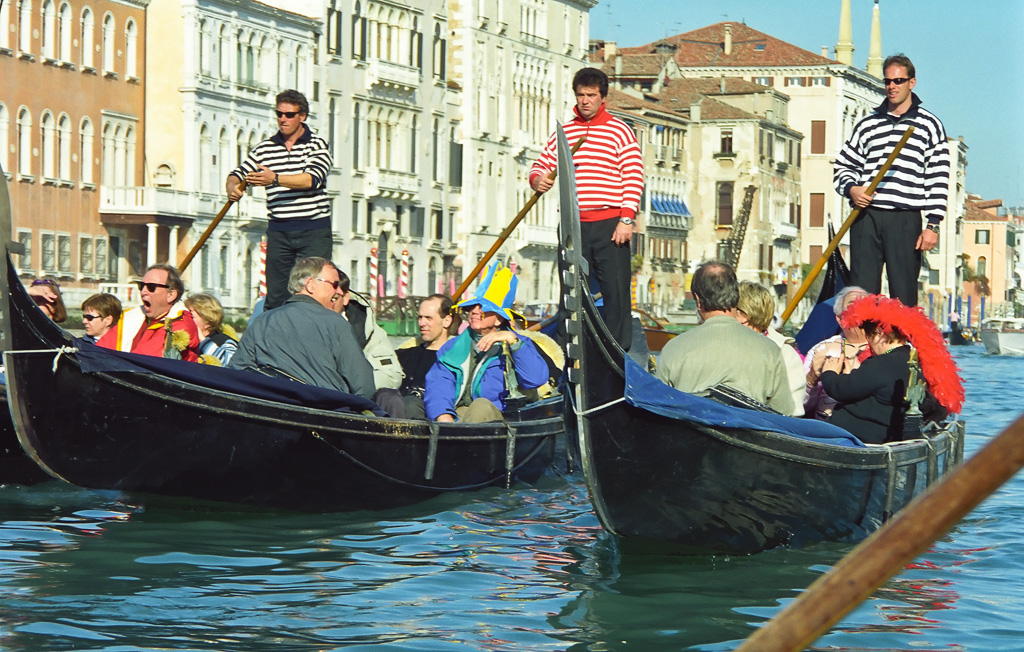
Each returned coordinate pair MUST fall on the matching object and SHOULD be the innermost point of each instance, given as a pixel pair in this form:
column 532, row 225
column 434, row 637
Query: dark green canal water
column 526, row 569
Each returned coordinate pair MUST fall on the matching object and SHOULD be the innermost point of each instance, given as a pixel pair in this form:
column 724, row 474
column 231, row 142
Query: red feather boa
column 937, row 364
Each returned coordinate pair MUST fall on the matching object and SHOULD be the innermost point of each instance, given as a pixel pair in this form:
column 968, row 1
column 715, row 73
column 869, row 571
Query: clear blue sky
column 969, row 56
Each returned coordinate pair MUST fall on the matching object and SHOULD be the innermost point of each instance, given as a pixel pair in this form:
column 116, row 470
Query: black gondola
column 653, row 474
column 128, row 429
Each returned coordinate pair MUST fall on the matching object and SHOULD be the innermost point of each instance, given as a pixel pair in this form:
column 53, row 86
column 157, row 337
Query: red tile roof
column 704, row 47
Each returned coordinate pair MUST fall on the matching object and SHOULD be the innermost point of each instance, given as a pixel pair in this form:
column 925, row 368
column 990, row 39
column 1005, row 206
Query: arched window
column 64, row 148
column 85, row 154
column 982, row 266
column 355, row 136
column 5, row 20
column 358, row 34
column 131, row 36
column 107, row 157
column 5, row 127
column 49, row 32
column 64, row 32
column 88, row 40
column 204, row 56
column 222, row 165
column 225, row 53
column 24, row 142
column 25, row 26
column 412, row 144
column 205, row 157
column 108, row 43
column 129, row 157
column 164, row 177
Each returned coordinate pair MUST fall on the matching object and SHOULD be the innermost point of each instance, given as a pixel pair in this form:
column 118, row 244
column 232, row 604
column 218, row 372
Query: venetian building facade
column 942, row 270
column 221, row 64
column 513, row 63
column 395, row 118
column 826, row 98
column 71, row 125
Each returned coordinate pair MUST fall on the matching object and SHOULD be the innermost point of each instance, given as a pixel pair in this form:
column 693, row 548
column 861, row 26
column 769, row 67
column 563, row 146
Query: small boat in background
column 1003, row 335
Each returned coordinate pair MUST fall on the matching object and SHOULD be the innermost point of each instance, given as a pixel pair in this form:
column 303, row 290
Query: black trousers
column 610, row 266
column 889, row 238
column 284, row 249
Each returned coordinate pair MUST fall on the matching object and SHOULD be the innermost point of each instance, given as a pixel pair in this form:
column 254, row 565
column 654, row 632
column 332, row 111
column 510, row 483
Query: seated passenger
column 721, row 351
column 488, row 363
column 872, row 399
column 100, row 313
column 144, row 329
column 755, row 310
column 372, row 339
column 851, row 344
column 217, row 341
column 434, row 319
column 46, row 293
column 304, row 339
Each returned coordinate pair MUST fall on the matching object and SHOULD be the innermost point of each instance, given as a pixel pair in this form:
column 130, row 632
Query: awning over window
column 669, row 205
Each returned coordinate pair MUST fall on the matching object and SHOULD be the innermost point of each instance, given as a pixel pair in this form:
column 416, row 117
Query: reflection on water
column 527, row 569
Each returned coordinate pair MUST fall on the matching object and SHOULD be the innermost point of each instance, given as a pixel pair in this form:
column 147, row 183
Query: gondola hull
column 715, row 488
column 143, row 432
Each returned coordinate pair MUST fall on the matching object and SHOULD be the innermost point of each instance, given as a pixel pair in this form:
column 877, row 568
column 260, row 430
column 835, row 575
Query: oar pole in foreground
column 208, row 232
column 854, row 214
column 891, row 548
column 506, row 233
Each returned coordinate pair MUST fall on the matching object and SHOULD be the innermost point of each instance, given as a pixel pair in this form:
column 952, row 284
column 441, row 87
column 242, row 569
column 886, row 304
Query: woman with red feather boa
column 872, row 398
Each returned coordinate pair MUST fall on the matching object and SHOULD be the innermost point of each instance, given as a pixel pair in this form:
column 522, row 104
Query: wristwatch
column 628, row 221
column 274, row 183
column 934, row 228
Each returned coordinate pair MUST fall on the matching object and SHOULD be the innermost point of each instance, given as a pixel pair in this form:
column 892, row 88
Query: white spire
column 875, row 49
column 844, row 46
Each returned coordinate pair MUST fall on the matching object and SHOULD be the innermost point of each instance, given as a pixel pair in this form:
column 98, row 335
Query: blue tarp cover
column 648, row 393
column 246, row 383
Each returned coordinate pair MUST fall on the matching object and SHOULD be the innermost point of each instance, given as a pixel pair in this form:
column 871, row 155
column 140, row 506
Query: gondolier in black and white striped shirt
column 293, row 166
column 889, row 228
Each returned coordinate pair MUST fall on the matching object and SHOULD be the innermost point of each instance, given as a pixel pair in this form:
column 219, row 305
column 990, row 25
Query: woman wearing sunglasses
column 100, row 313
column 46, row 293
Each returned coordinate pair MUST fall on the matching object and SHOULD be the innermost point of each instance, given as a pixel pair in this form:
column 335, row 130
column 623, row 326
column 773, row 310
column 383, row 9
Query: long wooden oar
column 854, row 214
column 892, row 547
column 208, row 232
column 506, row 233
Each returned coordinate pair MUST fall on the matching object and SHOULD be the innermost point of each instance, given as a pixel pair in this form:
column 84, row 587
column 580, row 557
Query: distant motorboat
column 1003, row 335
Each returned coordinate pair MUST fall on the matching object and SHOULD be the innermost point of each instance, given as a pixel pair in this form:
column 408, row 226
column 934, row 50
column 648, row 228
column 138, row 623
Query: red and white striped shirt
column 609, row 168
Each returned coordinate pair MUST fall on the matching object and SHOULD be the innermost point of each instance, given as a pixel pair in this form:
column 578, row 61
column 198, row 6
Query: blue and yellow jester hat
column 496, row 292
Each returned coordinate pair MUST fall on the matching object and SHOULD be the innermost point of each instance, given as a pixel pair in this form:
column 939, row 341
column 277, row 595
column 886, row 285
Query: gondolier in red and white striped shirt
column 609, row 181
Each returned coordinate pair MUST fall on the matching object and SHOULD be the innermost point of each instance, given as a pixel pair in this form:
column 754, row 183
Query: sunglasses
column 43, row 281
column 91, row 317
column 287, row 114
column 899, row 81
column 333, row 284
column 150, row 286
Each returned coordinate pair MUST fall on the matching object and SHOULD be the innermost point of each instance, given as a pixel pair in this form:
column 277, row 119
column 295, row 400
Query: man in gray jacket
column 305, row 339
column 721, row 351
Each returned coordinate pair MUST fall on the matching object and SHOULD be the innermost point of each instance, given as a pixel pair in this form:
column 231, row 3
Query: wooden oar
column 892, row 547
column 813, row 274
column 506, row 233
column 208, row 232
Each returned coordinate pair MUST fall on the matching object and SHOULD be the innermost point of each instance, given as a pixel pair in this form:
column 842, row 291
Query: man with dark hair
column 721, row 350
column 305, row 339
column 434, row 319
column 888, row 230
column 150, row 329
column 292, row 166
column 609, row 181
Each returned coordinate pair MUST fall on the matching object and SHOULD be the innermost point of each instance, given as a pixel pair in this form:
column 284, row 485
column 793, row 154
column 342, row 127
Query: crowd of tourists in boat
column 327, row 335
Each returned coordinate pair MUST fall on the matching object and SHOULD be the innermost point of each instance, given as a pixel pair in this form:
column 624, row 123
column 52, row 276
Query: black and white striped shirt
column 293, row 209
column 919, row 177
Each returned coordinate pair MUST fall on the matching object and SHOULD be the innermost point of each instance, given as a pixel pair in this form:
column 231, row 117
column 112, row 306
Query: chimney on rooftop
column 721, row 85
column 824, row 51
column 728, row 39
column 610, row 50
